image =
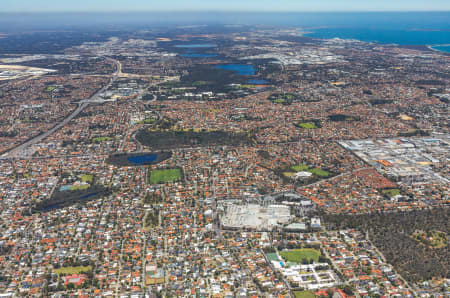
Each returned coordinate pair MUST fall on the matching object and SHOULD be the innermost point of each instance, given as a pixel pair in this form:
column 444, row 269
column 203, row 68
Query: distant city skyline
column 215, row 5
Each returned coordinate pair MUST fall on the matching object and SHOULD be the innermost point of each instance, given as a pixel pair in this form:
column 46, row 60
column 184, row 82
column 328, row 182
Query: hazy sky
column 225, row 5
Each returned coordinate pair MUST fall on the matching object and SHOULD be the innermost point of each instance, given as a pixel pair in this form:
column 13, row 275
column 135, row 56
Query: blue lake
column 194, row 55
column 143, row 159
column 242, row 69
column 258, row 82
column 196, row 46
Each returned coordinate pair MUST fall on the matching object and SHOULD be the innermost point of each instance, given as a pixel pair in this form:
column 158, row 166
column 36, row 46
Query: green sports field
column 163, row 176
column 304, row 294
column 72, row 270
column 87, row 178
column 307, row 125
column 298, row 255
column 300, row 168
column 50, row 88
column 319, row 172
column 101, row 139
column 391, row 192
column 316, row 171
column 79, row 187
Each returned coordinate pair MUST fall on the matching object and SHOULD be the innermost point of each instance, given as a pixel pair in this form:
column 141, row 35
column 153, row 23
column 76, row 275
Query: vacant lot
column 163, row 176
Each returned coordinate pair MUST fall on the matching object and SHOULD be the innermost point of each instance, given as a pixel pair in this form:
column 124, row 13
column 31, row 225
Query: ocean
column 439, row 39
column 403, row 28
column 442, row 48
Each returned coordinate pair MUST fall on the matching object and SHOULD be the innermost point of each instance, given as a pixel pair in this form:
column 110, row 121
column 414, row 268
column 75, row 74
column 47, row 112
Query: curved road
column 21, row 150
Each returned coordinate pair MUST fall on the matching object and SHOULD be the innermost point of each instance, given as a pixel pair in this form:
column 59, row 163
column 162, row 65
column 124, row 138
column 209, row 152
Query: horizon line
column 220, row 11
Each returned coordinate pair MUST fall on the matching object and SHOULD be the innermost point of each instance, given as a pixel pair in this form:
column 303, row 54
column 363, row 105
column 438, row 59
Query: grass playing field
column 300, row 168
column 79, row 187
column 288, row 174
column 307, row 125
column 316, row 171
column 391, row 192
column 87, row 178
column 304, row 294
column 50, row 88
column 319, row 172
column 101, row 139
column 298, row 255
column 147, row 121
column 163, row 176
column 72, row 270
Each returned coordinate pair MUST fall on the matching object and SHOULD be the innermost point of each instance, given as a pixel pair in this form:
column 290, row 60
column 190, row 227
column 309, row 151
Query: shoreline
column 431, row 47
column 311, row 32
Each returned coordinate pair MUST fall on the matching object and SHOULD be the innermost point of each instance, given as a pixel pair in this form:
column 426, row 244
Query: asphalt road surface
column 21, row 150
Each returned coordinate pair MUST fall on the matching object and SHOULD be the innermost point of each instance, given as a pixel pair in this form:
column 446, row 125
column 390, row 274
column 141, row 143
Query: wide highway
column 21, row 150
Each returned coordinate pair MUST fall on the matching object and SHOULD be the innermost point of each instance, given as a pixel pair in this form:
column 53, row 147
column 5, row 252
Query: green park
column 164, row 175
column 301, row 255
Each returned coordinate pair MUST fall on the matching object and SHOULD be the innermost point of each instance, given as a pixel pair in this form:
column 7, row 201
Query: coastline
column 432, row 47
column 423, row 47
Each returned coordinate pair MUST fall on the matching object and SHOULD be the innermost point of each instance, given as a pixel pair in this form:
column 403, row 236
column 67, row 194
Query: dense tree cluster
column 176, row 139
column 61, row 199
column 392, row 234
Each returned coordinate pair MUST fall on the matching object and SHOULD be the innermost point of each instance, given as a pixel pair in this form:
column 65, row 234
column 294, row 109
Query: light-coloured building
column 255, row 216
